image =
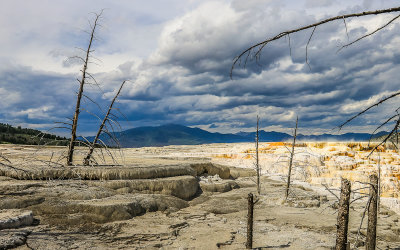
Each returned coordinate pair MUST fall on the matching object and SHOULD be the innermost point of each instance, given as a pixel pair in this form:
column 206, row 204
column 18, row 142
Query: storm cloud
column 179, row 62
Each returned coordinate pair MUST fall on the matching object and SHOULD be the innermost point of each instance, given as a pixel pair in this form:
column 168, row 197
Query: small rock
column 15, row 218
column 12, row 239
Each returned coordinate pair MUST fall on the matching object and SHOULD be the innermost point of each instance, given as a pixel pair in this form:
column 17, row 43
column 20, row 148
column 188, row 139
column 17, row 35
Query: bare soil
column 169, row 203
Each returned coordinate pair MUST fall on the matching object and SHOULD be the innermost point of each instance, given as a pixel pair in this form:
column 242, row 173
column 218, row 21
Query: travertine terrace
column 315, row 162
column 190, row 197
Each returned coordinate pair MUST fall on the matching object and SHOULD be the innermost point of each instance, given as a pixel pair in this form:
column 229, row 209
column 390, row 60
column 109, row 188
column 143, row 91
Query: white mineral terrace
column 315, row 163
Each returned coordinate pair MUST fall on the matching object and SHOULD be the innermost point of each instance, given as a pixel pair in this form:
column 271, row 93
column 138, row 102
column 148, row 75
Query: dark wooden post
column 372, row 213
column 343, row 215
column 249, row 242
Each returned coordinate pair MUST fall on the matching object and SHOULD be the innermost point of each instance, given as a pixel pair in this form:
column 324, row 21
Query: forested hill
column 27, row 136
column 170, row 134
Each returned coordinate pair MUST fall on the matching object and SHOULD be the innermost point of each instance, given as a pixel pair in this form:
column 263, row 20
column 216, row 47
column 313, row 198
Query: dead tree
column 85, row 75
column 254, row 52
column 249, row 241
column 257, row 160
column 372, row 213
column 397, row 140
column 379, row 182
column 291, row 160
column 343, row 215
column 86, row 161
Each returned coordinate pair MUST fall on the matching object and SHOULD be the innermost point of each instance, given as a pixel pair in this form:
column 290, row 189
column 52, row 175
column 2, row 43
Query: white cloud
column 178, row 58
column 35, row 113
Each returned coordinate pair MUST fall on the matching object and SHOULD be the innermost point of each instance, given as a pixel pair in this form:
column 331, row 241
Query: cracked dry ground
column 211, row 220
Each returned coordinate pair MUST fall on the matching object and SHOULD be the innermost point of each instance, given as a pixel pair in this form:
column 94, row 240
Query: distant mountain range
column 172, row 134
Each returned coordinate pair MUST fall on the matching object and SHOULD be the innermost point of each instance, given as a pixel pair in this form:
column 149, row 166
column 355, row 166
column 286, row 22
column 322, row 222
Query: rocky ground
column 160, row 199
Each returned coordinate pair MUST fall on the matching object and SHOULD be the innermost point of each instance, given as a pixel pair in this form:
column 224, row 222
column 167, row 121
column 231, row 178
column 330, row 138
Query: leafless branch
column 345, row 25
column 4, row 158
column 309, row 39
column 359, row 198
column 330, row 191
column 91, row 100
column 290, row 46
column 367, row 35
column 386, row 138
column 362, row 219
column 370, row 107
column 259, row 46
column 380, row 126
column 91, row 148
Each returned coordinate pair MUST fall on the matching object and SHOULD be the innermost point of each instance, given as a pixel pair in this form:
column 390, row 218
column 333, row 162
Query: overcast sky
column 177, row 55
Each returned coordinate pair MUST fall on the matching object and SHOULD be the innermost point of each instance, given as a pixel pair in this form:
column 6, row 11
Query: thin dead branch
column 345, row 25
column 330, row 191
column 309, row 39
column 370, row 107
column 260, row 46
column 101, row 128
column 386, row 138
column 380, row 126
column 369, row 34
column 362, row 220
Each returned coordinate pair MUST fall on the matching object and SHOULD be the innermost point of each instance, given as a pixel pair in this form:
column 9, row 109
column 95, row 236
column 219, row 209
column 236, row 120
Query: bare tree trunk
column 372, row 213
column 397, row 140
column 257, row 161
column 249, row 242
column 379, row 182
column 86, row 161
column 343, row 215
column 291, row 160
column 80, row 93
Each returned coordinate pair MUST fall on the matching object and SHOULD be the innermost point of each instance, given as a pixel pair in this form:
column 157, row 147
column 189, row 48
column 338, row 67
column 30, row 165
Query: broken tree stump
column 372, row 213
column 249, row 242
column 343, row 215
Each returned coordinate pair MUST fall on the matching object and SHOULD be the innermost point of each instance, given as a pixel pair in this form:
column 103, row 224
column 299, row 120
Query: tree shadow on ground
column 274, row 247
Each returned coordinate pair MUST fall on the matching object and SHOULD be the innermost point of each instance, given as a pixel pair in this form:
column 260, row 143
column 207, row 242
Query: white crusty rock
column 15, row 218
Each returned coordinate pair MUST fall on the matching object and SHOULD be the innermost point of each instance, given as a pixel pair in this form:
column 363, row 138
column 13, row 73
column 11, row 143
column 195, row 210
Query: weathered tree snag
column 249, row 242
column 86, row 161
column 80, row 93
column 379, row 182
column 372, row 213
column 343, row 215
column 291, row 160
column 397, row 140
column 257, row 161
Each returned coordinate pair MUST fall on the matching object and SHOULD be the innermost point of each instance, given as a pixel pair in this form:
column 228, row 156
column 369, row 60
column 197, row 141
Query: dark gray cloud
column 185, row 79
column 282, row 80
